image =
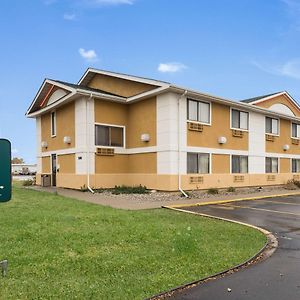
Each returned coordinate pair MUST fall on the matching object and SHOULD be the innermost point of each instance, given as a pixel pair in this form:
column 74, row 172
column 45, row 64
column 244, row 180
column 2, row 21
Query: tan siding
column 122, row 87
column 280, row 100
column 117, row 164
column 220, row 127
column 65, row 126
column 144, row 163
column 46, row 165
column 141, row 119
column 138, row 118
column 285, row 165
column 110, row 113
column 283, row 139
column 220, row 164
column 67, row 164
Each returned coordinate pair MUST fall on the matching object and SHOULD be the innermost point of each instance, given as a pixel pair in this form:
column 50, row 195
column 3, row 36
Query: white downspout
column 88, row 144
column 179, row 147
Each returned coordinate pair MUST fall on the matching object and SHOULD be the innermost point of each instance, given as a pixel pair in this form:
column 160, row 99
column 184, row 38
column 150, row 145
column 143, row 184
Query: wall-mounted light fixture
column 222, row 140
column 44, row 144
column 286, row 147
column 67, row 140
column 145, row 137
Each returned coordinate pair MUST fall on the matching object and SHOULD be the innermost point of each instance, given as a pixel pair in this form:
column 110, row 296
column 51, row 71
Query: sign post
column 5, row 183
column 5, row 170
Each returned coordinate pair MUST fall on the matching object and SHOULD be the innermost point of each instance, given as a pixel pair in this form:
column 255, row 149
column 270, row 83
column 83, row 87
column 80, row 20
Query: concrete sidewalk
column 157, row 199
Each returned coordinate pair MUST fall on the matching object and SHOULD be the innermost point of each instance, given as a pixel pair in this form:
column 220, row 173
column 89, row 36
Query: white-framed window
column 272, row 126
column 53, row 124
column 239, row 119
column 198, row 111
column 271, row 165
column 110, row 136
column 296, row 130
column 239, row 164
column 296, row 165
column 198, row 163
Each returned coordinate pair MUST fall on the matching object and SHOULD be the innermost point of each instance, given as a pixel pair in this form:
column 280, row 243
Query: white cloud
column 172, row 67
column 290, row 68
column 69, row 17
column 88, row 55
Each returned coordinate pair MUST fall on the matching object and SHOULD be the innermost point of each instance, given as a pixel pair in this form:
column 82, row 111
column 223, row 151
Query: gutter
column 88, row 145
column 179, row 147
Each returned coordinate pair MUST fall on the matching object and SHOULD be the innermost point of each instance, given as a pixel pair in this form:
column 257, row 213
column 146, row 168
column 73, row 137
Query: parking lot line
column 261, row 209
column 280, row 202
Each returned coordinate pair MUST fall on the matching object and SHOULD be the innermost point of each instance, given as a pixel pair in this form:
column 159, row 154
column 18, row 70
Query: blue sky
column 231, row 48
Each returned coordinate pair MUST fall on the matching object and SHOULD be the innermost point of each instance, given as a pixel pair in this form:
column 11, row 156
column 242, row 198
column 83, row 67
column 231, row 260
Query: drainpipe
column 179, row 147
column 88, row 144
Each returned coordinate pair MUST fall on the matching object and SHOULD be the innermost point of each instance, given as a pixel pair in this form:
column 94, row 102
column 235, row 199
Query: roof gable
column 280, row 102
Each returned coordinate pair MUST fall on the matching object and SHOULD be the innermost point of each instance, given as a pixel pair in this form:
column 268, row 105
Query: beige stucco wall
column 65, row 126
column 220, row 127
column 118, row 86
column 280, row 100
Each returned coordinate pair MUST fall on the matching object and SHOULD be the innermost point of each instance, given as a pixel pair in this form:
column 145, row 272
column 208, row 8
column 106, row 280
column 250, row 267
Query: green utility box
column 5, row 170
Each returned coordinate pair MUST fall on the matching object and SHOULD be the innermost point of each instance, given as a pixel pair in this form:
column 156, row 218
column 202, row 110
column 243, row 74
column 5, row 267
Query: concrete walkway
column 156, row 200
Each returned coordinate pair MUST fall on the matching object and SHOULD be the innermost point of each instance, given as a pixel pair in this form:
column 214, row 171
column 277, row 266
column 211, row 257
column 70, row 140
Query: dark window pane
column 116, row 136
column 235, row 119
column 192, row 163
column 102, row 135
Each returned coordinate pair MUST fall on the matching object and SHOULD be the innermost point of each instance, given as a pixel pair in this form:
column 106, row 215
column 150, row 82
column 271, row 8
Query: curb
column 265, row 252
column 231, row 200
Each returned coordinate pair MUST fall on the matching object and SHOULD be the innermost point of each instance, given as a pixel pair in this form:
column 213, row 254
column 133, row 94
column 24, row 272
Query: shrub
column 296, row 183
column 213, row 191
column 123, row 189
column 84, row 188
column 28, row 182
column 231, row 189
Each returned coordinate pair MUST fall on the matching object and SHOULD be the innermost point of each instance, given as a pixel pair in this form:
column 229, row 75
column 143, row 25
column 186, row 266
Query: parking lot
column 278, row 277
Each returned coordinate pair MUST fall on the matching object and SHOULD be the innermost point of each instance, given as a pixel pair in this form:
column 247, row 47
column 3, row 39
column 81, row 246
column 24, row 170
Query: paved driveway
column 278, row 277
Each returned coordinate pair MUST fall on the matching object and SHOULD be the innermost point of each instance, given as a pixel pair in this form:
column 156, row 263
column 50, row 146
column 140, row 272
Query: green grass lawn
column 60, row 248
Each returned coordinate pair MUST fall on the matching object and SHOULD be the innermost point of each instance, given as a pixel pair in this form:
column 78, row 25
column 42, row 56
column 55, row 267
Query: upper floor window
column 198, row 163
column 272, row 125
column 239, row 119
column 239, row 164
column 295, row 130
column 53, row 123
column 198, row 111
column 296, row 165
column 271, row 165
column 111, row 136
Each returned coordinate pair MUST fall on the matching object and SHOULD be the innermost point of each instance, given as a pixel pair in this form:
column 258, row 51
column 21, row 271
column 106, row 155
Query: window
column 239, row 119
column 198, row 163
column 109, row 136
column 272, row 125
column 271, row 165
column 296, row 165
column 239, row 164
column 295, row 130
column 198, row 111
column 53, row 123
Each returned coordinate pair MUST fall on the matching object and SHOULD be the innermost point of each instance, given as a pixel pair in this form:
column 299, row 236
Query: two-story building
column 115, row 129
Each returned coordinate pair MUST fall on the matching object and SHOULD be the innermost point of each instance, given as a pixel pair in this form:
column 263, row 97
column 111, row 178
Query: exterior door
column 53, row 165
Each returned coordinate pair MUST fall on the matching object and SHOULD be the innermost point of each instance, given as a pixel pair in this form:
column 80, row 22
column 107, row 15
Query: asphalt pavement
column 276, row 278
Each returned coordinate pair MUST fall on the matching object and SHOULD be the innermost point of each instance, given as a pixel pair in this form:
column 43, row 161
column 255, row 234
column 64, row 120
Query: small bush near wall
column 129, row 190
column 296, row 183
column 28, row 182
column 231, row 189
column 213, row 191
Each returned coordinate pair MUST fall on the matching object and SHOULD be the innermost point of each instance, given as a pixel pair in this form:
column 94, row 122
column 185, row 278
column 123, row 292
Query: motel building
column 115, row 129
